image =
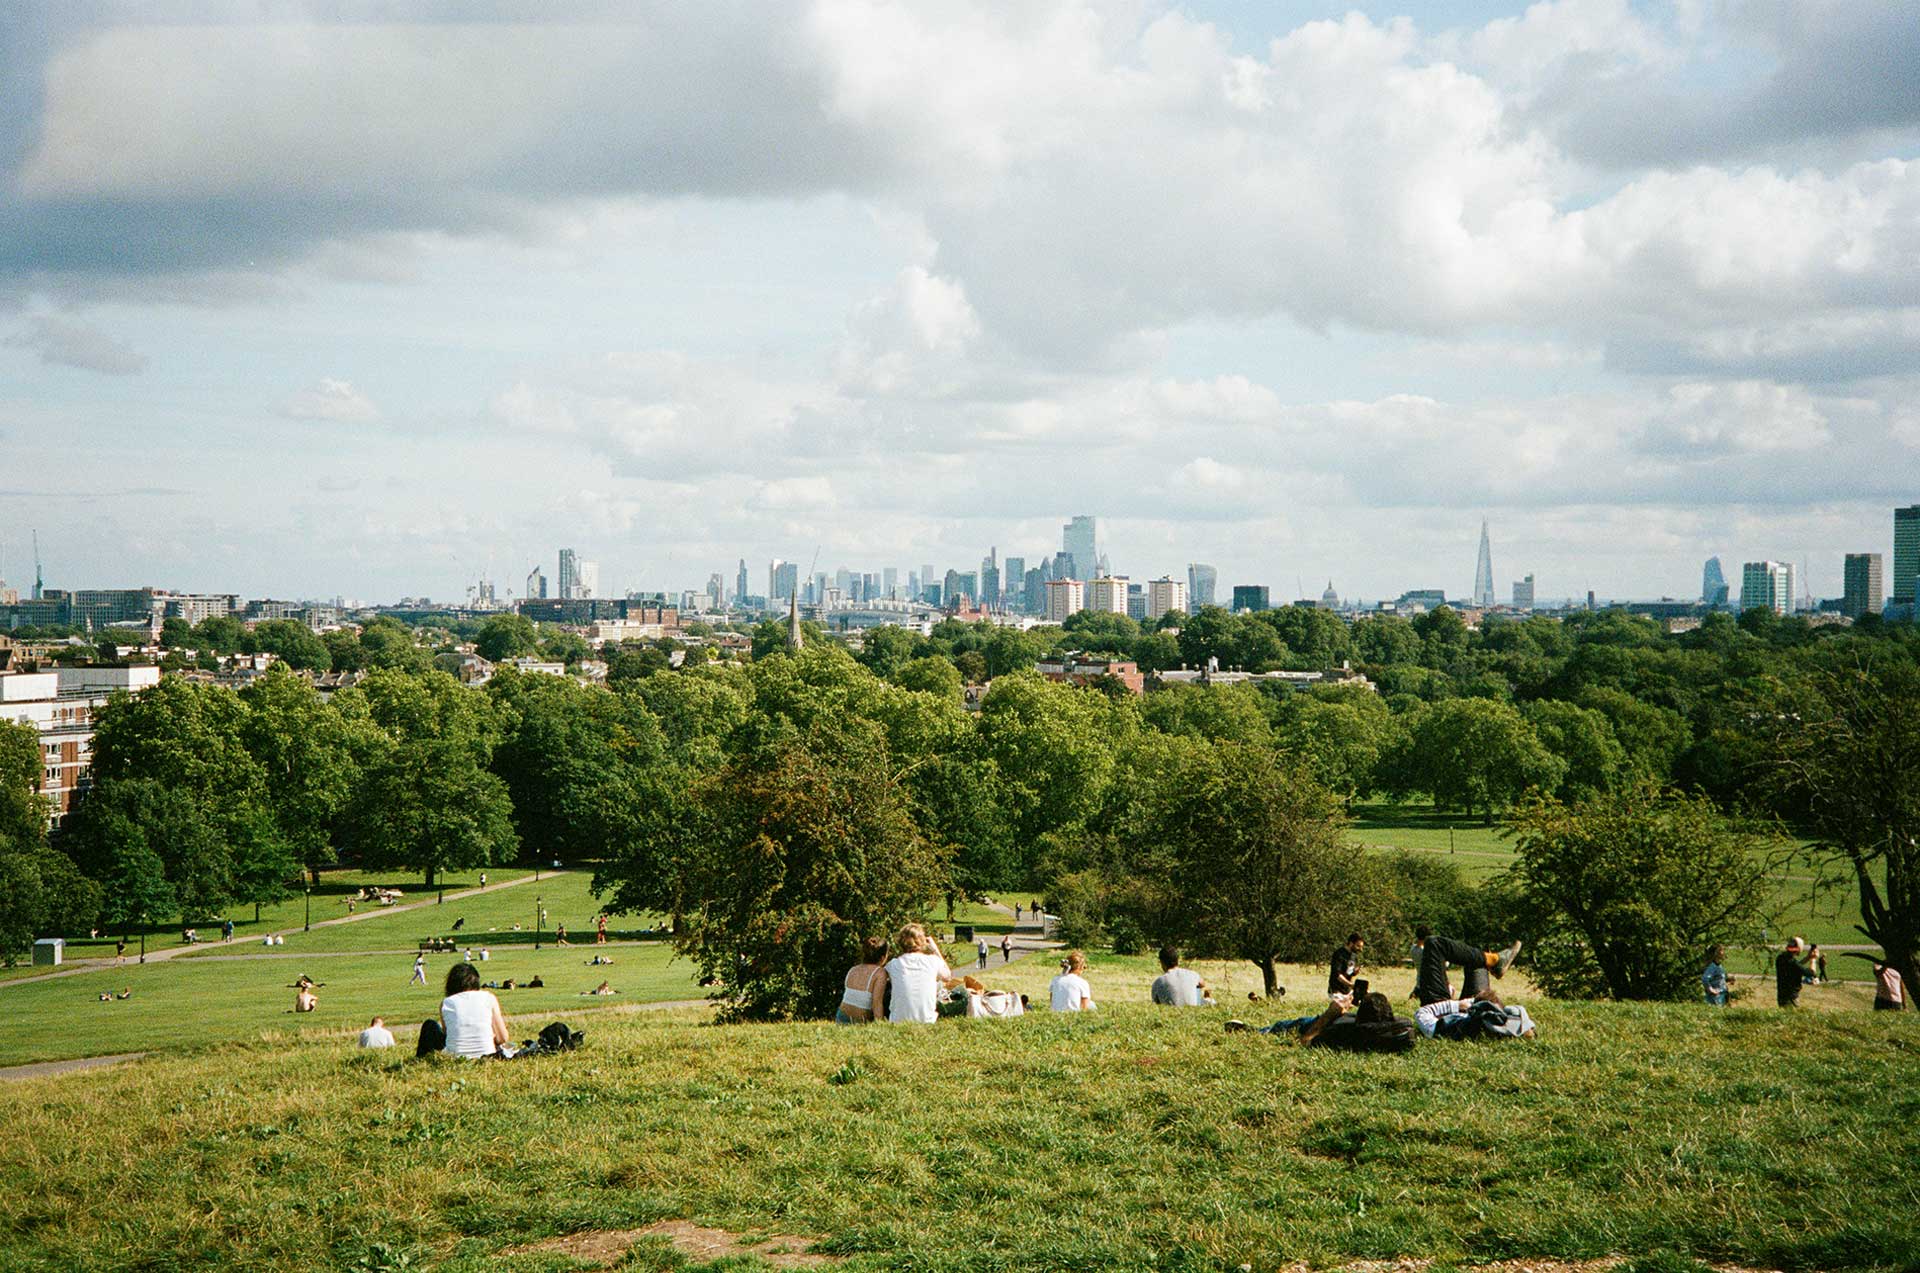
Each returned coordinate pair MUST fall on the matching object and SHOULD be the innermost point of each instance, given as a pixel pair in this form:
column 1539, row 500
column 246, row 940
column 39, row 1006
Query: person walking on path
column 600, row 929
column 1006, row 948
column 1016, row 912
column 1713, row 978
column 419, row 970
column 560, row 936
column 483, row 879
column 226, row 929
column 1789, row 974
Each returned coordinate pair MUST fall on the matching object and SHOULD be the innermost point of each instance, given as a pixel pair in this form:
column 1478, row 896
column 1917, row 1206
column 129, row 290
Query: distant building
column 1906, row 552
column 1164, row 594
column 60, row 705
column 1079, row 540
column 890, row 581
column 589, row 579
column 1137, row 603
column 1523, row 593
column 783, row 579
column 990, row 578
column 1082, row 669
column 1064, row 597
column 1202, row 580
column 1329, row 600
column 1108, row 593
column 1416, row 600
column 569, row 578
column 1713, row 584
column 1483, row 571
column 1768, row 584
column 740, row 591
column 1865, row 586
column 1251, row 596
column 1013, row 581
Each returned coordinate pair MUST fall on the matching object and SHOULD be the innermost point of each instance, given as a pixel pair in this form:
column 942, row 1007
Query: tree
column 429, row 806
column 1584, row 742
column 220, row 634
column 1843, row 763
column 41, row 892
column 1625, row 893
column 884, row 650
column 390, row 643
column 931, row 675
column 308, row 753
column 294, row 642
column 151, row 850
column 1246, row 858
column 1479, row 755
column 23, row 810
column 804, row 848
column 506, row 636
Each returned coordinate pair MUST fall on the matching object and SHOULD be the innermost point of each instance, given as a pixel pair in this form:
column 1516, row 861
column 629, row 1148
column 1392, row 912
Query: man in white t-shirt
column 915, row 977
column 1177, row 987
column 1070, row 991
column 376, row 1035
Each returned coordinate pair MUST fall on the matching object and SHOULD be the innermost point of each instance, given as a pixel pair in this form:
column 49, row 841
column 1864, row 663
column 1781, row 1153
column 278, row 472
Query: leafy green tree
column 309, row 755
column 41, row 893
column 1156, row 651
column 429, row 806
column 175, row 633
column 1653, row 738
column 389, row 643
column 220, row 634
column 1479, row 755
column 1339, row 740
column 804, row 847
column 972, row 666
column 506, row 636
column 344, row 653
column 151, row 850
column 1627, row 892
column 1207, row 635
column 294, row 642
column 931, row 675
column 23, row 810
column 565, row 647
column 1054, row 747
column 1009, row 650
column 1583, row 740
column 1220, row 712
column 1249, row 860
column 885, row 650
column 1385, row 639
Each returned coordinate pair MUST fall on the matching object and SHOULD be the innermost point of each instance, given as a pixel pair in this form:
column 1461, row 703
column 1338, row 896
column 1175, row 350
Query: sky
column 373, row 299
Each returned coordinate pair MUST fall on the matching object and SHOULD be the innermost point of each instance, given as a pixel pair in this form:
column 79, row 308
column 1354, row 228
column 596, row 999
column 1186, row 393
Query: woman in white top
column 471, row 1016
column 1070, row 991
column 915, row 977
column 865, row 990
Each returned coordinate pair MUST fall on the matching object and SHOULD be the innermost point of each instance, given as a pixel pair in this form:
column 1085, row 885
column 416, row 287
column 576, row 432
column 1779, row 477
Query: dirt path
column 42, row 1069
column 174, row 952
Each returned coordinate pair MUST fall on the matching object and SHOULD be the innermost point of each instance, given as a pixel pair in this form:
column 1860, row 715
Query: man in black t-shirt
column 1345, row 966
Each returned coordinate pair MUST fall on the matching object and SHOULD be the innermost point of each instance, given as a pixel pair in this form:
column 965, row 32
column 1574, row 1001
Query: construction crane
column 39, row 584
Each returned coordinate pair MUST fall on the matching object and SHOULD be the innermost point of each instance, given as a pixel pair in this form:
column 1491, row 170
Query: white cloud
column 71, row 344
column 333, row 401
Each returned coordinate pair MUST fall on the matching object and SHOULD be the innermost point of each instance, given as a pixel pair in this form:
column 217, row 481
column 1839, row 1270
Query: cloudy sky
column 304, row 300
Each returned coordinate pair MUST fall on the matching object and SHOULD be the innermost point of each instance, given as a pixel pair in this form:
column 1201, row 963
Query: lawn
column 197, row 1002
column 1131, row 1138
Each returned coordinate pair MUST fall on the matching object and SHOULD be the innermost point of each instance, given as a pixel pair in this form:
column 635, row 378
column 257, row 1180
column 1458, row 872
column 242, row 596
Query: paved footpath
column 253, row 939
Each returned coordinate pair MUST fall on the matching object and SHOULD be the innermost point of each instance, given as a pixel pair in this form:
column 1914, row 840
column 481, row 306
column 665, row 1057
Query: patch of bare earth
column 604, row 1248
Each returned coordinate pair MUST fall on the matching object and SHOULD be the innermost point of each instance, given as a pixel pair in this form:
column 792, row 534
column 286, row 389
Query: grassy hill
column 1132, row 1138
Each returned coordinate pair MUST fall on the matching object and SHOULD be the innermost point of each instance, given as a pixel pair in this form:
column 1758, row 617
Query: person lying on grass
column 1484, row 1016
column 1437, row 953
column 1343, row 1027
column 604, row 988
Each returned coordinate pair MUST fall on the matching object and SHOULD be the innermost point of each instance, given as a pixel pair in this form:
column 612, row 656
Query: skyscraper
column 1713, row 584
column 1078, row 539
column 1164, row 594
column 740, row 585
column 569, row 575
column 1906, row 551
column 1767, row 583
column 1108, row 593
column 890, row 582
column 1202, row 579
column 1013, row 582
column 536, row 584
column 589, row 579
column 1251, row 596
column 1523, row 593
column 990, row 578
column 783, row 580
column 1866, row 587
column 1064, row 597
column 1483, row 571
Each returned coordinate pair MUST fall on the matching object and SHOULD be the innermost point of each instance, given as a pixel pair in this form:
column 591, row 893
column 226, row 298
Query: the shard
column 1483, row 571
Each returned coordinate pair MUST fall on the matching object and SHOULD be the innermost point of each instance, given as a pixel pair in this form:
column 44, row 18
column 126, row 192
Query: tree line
column 783, row 807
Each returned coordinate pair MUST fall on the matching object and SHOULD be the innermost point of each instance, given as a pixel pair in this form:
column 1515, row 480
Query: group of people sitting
column 917, row 985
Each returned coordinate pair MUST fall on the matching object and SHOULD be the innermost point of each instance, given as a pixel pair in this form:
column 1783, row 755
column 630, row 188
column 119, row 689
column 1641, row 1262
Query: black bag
column 1349, row 1034
column 557, row 1038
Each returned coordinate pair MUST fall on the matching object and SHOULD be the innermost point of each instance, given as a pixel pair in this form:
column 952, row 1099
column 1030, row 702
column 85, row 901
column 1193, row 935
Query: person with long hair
column 471, row 1023
column 864, row 995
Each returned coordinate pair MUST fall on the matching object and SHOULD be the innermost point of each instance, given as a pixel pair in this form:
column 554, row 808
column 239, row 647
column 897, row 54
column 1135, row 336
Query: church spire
column 794, row 638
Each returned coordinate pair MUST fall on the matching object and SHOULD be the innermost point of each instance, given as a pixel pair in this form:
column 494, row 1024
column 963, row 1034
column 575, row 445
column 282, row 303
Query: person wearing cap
column 1789, row 973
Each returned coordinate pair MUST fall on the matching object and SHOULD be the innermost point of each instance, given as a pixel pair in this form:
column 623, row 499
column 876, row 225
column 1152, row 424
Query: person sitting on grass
column 1344, row 967
column 863, row 993
column 915, row 978
column 1370, row 1026
column 1437, row 953
column 305, row 1000
column 1177, row 987
column 1070, row 992
column 376, row 1035
column 1713, row 978
column 604, row 988
column 471, row 1024
column 1484, row 1016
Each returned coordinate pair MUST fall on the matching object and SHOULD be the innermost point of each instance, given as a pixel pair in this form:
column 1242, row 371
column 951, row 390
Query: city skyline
column 1633, row 283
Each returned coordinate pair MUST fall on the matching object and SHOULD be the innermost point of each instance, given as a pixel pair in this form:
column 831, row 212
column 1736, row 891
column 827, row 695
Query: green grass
column 1132, row 1138
column 204, row 1001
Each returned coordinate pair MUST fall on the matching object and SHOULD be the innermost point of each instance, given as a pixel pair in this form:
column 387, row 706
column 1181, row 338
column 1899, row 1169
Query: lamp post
column 538, row 915
column 309, row 892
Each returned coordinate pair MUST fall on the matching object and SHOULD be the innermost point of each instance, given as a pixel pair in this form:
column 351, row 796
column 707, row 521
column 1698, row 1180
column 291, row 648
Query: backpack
column 1349, row 1034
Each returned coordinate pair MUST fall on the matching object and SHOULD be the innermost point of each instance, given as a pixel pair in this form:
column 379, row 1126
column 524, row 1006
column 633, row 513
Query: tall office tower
column 1250, row 596
column 990, row 580
column 1767, row 583
column 960, row 585
column 716, row 591
column 773, row 579
column 1063, row 567
column 1064, row 597
column 1078, row 540
column 786, row 581
column 1713, row 584
column 890, row 582
column 869, row 587
column 1906, row 551
column 1202, row 579
column 740, row 585
column 926, row 580
column 1866, row 587
column 1523, row 593
column 1013, row 581
column 1108, row 593
column 1483, row 571
column 1164, row 594
column 913, row 585
column 1035, row 590
column 569, row 575
column 589, row 578
column 536, row 585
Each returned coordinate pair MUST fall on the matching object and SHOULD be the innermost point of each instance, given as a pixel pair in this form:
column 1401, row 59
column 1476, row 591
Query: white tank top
column 468, row 1017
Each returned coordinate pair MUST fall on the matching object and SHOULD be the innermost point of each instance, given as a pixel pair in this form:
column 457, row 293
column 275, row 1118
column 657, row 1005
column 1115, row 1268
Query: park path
column 42, row 1069
column 199, row 948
